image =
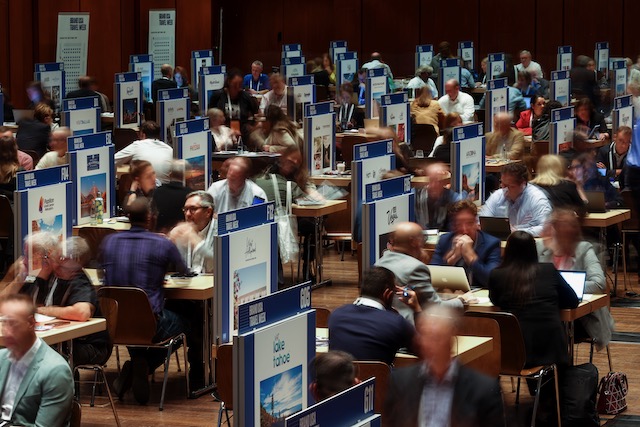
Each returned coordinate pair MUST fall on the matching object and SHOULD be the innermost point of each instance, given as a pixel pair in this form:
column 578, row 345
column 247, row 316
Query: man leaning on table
column 36, row 382
column 526, row 205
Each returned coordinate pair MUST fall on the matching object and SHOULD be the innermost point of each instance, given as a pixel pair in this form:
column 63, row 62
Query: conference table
column 344, row 180
column 495, row 165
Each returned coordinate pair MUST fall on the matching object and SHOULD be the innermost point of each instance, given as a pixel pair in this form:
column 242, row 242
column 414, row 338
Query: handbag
column 287, row 225
column 613, row 393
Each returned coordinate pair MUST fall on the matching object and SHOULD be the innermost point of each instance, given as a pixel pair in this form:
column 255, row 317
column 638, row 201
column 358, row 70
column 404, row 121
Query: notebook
column 496, row 226
column 577, row 281
column 449, row 277
column 595, row 202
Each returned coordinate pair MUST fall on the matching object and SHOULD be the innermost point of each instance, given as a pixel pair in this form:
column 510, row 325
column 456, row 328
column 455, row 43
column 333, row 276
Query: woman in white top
column 58, row 154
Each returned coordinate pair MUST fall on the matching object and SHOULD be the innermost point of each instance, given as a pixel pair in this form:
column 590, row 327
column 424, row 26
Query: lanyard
column 257, row 84
column 49, row 300
column 349, row 111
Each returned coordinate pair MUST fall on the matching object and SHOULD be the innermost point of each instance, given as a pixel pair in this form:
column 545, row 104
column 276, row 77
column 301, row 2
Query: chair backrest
column 76, row 414
column 346, row 147
column 322, row 93
column 109, row 309
column 322, row 317
column 6, row 213
column 513, row 354
column 136, row 323
column 94, row 238
column 633, row 223
column 423, row 138
column 124, row 185
column 224, row 373
column 122, row 137
column 34, row 156
column 382, row 373
column 483, row 327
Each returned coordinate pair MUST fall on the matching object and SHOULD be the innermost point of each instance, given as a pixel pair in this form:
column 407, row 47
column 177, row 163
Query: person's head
column 198, row 208
column 256, row 69
column 290, row 162
column 376, row 56
column 408, row 239
column 237, row 175
column 331, row 373
column 40, row 248
column 273, row 114
column 423, row 97
column 550, row 106
column 9, row 162
column 6, row 131
column 233, row 83
column 633, row 88
column 582, row 61
column 483, row 64
column 452, row 120
column 277, row 83
column 583, row 109
column 58, row 140
column 520, row 250
column 149, row 130
column 139, row 212
column 550, row 170
column 444, row 48
column 582, row 167
column 327, row 62
column 436, row 329
column 346, row 93
column 362, row 75
column 629, row 63
column 563, row 225
column 537, row 105
column 179, row 169
column 43, row 113
column 452, row 88
column 623, row 139
column 17, row 319
column 216, row 117
column 463, row 215
column 424, row 72
column 181, row 76
column 166, row 70
column 502, row 123
column 591, row 65
column 514, row 178
column 436, row 172
column 68, row 263
column 35, row 92
column 143, row 173
column 524, row 79
column 525, row 58
column 380, row 284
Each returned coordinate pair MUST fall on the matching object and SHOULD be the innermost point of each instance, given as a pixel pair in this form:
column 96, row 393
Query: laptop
column 498, row 227
column 22, row 114
column 595, row 202
column 577, row 281
column 449, row 277
column 527, row 101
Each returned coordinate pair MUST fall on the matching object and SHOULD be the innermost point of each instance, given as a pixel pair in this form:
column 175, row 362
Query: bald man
column 433, row 201
column 456, row 101
column 407, row 261
column 441, row 391
column 164, row 82
column 504, row 134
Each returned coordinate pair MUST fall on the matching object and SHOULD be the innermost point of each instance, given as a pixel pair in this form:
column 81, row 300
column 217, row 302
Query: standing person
column 584, row 81
column 58, row 154
column 632, row 173
column 164, row 82
column 444, row 52
column 256, row 82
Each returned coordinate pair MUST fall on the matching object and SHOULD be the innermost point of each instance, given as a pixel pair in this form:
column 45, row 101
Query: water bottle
column 503, row 152
column 99, row 209
column 93, row 213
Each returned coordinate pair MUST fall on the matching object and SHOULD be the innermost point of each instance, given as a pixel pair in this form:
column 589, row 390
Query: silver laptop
column 449, row 277
column 22, row 114
column 577, row 280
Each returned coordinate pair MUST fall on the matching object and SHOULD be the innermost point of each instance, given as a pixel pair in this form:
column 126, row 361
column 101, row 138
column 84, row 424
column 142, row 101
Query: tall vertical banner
column 291, row 50
column 371, row 161
column 43, row 202
column 51, row 76
column 320, row 137
column 162, row 39
column 172, row 106
column 246, row 265
column 143, row 64
column 601, row 55
column 199, row 60
column 294, row 66
column 618, row 77
column 376, row 85
column 386, row 204
column 346, row 67
column 467, row 161
column 193, row 143
column 81, row 115
column 496, row 65
column 73, row 47
column 564, row 59
column 424, row 55
column 352, row 407
column 271, row 357
column 466, row 52
column 395, row 113
column 496, row 101
column 93, row 174
column 562, row 125
column 301, row 91
column 127, row 94
column 336, row 47
column 560, row 87
column 622, row 114
column 449, row 69
column 210, row 79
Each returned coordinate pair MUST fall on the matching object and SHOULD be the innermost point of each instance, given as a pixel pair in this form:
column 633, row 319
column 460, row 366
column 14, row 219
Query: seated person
column 405, row 260
column 423, row 79
column 561, row 191
column 330, row 68
column 564, row 246
column 224, row 138
column 181, row 77
column 276, row 133
column 466, row 78
column 442, row 152
column 349, row 115
column 425, row 110
column 37, row 382
column 238, row 105
column 85, row 84
column 541, row 125
column 584, row 173
column 256, row 81
column 58, row 154
column 331, row 373
column 527, row 86
column 237, row 190
column 25, row 160
column 150, row 148
column 505, row 139
column 527, row 65
column 194, row 238
column 164, row 82
column 9, row 167
column 467, row 246
column 534, row 292
column 33, row 134
column 143, row 181
column 169, row 198
column 369, row 329
column 276, row 96
column 528, row 116
column 613, row 157
column 433, row 202
column 451, row 120
column 587, row 119
column 456, row 101
column 526, row 205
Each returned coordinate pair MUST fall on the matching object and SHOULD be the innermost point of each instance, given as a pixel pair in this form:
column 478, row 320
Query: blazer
column 161, row 84
column 607, row 157
column 477, row 399
column 45, row 395
column 487, row 248
column 515, row 150
column 599, row 324
column 524, row 122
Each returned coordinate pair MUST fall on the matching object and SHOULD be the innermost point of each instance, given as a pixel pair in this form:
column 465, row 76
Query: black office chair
column 423, row 137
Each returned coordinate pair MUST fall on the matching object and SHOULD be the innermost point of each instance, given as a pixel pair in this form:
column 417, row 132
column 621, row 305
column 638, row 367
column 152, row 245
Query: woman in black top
column 562, row 192
column 534, row 292
column 588, row 119
column 238, row 105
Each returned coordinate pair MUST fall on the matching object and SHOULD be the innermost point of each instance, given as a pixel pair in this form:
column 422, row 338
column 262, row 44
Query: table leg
column 318, row 222
column 207, row 341
column 569, row 328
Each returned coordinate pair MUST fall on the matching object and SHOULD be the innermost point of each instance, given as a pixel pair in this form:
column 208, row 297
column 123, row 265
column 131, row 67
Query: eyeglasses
column 192, row 209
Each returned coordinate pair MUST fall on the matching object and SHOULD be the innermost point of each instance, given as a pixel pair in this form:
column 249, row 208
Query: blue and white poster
column 51, row 76
column 564, row 59
column 162, row 39
column 466, row 52
column 622, row 114
column 199, row 60
column 210, row 79
column 467, row 161
column 346, row 67
column 601, row 56
column 387, row 203
column 376, row 85
column 128, row 91
column 496, row 65
column 560, row 87
column 292, row 50
column 301, row 91
column 395, row 113
column 449, row 70
column 81, row 115
column 563, row 124
column 72, row 47
column 319, row 149
column 193, row 143
column 143, row 64
column 294, row 66
column 172, row 107
column 336, row 47
column 496, row 101
column 618, row 77
column 424, row 55
column 93, row 174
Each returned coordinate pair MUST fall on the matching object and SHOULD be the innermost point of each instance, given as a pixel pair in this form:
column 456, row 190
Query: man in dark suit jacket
column 441, row 391
column 84, row 85
column 613, row 157
column 468, row 247
column 584, row 81
column 165, row 82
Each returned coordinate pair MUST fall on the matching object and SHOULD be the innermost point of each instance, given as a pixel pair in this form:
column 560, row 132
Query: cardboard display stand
column 467, row 162
column 172, row 106
column 449, row 69
column 210, row 79
column 294, row 66
column 292, row 50
column 601, row 55
column 560, row 87
column 72, row 47
column 563, row 124
column 466, row 51
column 346, row 67
column 564, row 59
column 193, row 143
column 51, row 76
column 127, row 95
column 376, row 85
column 496, row 101
column 143, row 64
column 319, row 149
column 301, row 91
column 395, row 113
column 622, row 114
column 162, row 39
column 336, row 47
column 496, row 65
column 618, row 77
column 81, row 115
column 424, row 55
column 199, row 60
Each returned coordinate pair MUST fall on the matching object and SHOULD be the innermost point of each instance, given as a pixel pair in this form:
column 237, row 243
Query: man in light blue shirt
column 526, row 206
column 377, row 62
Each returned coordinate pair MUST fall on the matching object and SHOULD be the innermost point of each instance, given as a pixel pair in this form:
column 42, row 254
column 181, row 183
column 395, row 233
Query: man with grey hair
column 237, row 191
column 526, row 64
column 58, row 145
column 504, row 136
column 256, row 82
column 422, row 79
column 164, row 82
column 168, row 198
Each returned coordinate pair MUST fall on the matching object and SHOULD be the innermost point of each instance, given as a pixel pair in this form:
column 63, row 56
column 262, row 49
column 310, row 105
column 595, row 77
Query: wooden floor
column 203, row 411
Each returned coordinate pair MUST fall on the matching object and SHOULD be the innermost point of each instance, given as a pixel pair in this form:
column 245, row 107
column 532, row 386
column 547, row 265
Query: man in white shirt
column 151, row 149
column 237, row 191
column 277, row 95
column 456, row 101
column 58, row 154
column 36, row 382
column 526, row 64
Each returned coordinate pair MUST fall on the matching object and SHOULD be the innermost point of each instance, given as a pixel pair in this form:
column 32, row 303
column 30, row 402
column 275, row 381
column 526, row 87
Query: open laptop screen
column 577, row 280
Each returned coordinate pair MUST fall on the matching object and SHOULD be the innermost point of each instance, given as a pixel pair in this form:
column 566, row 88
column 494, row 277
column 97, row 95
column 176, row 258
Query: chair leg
column 166, row 374
column 591, row 350
column 113, row 406
column 93, row 391
column 186, row 365
column 226, row 412
column 624, row 260
column 536, row 402
column 220, row 414
column 609, row 357
column 555, row 381
column 178, row 362
column 118, row 358
column 518, row 393
column 513, row 385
